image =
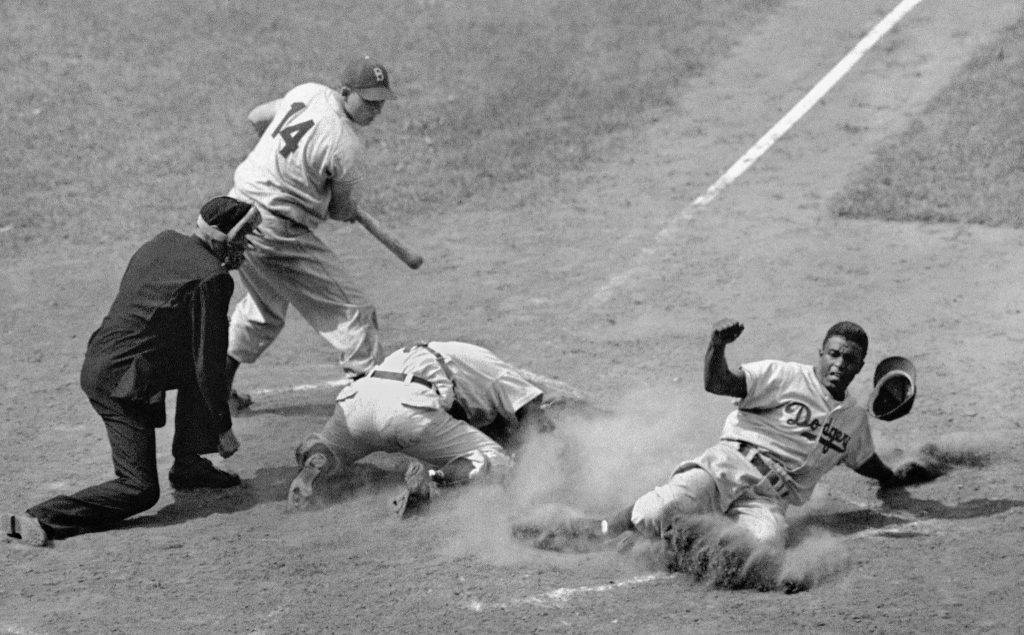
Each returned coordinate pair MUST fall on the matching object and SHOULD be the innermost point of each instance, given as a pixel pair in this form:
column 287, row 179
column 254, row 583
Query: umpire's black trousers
column 131, row 428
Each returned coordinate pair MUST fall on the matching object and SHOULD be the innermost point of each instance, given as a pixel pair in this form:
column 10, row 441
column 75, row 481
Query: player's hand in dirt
column 227, row 444
column 726, row 331
column 918, row 471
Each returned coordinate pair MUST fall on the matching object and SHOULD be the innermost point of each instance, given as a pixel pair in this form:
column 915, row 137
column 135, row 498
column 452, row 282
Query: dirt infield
column 521, row 273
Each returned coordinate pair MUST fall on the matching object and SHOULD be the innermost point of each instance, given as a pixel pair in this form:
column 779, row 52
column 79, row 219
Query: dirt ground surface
column 608, row 280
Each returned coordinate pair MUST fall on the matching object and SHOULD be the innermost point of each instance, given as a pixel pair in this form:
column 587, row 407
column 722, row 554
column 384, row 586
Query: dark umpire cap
column 895, row 388
column 368, row 78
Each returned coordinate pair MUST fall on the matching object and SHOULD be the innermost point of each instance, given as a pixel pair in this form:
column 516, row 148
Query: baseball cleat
column 238, row 401
column 300, row 493
column 416, row 494
column 567, row 535
column 26, row 529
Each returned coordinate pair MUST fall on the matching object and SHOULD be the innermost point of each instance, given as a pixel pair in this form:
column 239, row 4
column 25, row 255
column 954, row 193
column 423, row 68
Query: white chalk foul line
column 763, row 144
column 810, row 99
column 795, row 113
column 559, row 597
column 336, row 383
column 553, row 388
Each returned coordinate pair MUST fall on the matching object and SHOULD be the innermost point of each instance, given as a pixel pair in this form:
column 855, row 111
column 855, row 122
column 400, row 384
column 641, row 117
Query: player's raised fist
column 726, row 331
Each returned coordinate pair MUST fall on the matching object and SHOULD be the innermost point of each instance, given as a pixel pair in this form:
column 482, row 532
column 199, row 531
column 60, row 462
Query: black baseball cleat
column 416, row 494
column 200, row 473
column 27, row 530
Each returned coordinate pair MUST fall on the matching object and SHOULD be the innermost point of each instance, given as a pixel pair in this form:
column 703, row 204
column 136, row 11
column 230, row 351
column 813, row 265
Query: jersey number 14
column 292, row 134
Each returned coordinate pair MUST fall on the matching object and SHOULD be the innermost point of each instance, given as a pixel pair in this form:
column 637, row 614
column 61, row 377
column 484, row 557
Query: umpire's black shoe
column 26, row 529
column 200, row 473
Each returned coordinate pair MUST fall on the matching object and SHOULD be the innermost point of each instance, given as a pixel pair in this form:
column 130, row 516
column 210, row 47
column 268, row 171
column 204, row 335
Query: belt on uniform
column 440, row 360
column 752, row 454
column 405, row 378
column 456, row 410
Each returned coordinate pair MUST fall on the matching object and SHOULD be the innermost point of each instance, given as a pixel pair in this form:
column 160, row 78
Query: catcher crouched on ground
column 432, row 403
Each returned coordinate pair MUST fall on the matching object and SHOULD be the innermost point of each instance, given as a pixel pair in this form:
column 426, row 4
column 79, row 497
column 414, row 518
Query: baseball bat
column 381, row 233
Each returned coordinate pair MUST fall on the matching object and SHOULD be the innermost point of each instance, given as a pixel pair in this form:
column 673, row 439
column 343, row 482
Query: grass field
column 961, row 160
column 124, row 117
column 121, row 117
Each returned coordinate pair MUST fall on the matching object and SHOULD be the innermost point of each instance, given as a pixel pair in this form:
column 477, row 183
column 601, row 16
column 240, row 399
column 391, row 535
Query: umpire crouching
column 167, row 329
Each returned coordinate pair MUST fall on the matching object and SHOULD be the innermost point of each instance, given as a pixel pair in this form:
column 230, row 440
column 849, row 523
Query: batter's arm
column 261, row 116
column 719, row 379
column 343, row 206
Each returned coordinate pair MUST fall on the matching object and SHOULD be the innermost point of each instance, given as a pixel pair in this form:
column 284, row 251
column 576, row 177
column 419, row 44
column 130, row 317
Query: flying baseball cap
column 895, row 388
column 368, row 78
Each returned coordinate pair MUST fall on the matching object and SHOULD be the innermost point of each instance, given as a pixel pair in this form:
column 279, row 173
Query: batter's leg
column 327, row 296
column 256, row 322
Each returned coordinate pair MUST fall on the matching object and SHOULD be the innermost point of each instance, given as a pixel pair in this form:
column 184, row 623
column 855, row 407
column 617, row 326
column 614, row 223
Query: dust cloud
column 595, row 463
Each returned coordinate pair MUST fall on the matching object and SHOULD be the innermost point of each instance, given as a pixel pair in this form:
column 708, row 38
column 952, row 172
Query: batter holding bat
column 451, row 406
column 302, row 172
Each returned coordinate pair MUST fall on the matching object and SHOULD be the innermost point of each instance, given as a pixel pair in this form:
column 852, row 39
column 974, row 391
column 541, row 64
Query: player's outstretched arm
column 911, row 472
column 719, row 379
column 261, row 116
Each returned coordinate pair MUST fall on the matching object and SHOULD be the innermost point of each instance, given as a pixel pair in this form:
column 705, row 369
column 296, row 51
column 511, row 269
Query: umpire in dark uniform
column 167, row 329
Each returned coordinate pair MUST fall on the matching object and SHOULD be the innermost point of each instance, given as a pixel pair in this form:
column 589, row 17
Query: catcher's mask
column 895, row 388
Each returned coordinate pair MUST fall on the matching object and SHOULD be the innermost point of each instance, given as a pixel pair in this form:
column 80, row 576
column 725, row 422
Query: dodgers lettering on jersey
column 308, row 145
column 790, row 415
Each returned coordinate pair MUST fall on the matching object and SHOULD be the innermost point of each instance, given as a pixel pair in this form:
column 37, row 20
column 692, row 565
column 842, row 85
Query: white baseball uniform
column 782, row 438
column 402, row 405
column 308, row 147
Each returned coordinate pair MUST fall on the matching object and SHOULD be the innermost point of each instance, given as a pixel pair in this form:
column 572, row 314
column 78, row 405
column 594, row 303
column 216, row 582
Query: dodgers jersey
column 308, row 145
column 790, row 415
column 488, row 388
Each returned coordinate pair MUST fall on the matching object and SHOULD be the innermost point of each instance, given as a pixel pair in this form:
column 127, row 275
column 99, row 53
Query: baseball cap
column 895, row 400
column 368, row 78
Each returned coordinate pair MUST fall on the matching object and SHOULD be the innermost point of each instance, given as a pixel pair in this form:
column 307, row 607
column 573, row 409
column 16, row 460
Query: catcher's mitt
column 895, row 388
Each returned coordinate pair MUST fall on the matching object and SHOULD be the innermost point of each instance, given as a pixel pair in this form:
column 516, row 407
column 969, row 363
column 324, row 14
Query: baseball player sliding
column 792, row 424
column 301, row 173
column 433, row 402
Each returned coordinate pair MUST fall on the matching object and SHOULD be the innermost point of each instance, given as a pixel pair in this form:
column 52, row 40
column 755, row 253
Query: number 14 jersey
column 309, row 144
